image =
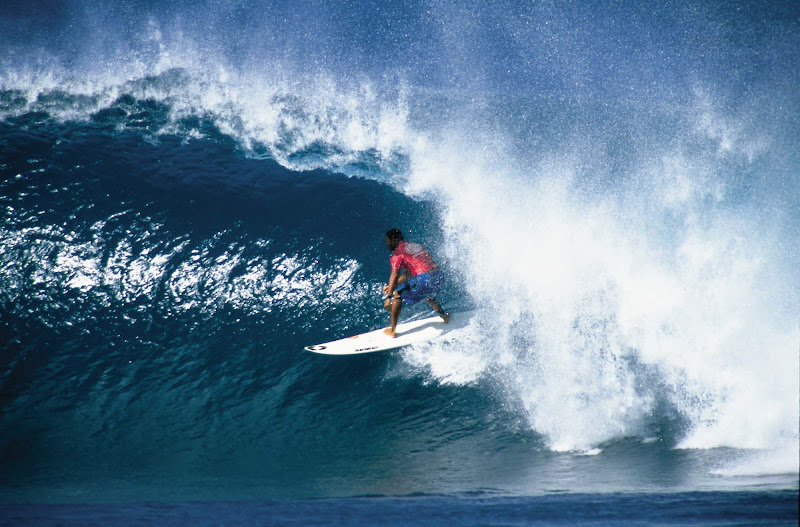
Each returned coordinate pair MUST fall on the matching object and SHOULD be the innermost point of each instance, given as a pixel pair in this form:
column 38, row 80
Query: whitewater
column 188, row 201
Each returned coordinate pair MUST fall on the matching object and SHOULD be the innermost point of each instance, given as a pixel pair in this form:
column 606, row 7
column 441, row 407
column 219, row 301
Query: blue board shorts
column 421, row 287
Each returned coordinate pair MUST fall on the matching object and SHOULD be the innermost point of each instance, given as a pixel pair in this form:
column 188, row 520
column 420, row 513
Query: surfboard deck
column 407, row 333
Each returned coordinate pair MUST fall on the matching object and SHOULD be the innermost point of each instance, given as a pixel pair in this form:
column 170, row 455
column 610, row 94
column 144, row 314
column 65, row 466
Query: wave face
column 189, row 199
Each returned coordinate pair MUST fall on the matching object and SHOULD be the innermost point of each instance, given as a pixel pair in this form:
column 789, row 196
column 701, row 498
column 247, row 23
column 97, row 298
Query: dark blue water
column 191, row 195
column 715, row 508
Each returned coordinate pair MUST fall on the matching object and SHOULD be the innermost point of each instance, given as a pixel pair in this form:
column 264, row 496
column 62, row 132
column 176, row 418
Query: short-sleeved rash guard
column 413, row 257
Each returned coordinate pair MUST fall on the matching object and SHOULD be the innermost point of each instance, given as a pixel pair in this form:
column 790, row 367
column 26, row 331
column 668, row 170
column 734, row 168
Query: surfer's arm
column 397, row 277
column 394, row 280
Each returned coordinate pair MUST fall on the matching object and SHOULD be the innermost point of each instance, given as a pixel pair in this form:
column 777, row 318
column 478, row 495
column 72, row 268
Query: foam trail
column 785, row 460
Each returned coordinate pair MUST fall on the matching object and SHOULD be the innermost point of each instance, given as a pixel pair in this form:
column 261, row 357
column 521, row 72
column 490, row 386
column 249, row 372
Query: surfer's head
column 393, row 239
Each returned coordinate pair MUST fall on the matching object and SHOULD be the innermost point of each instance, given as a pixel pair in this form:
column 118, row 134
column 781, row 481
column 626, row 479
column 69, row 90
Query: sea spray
column 667, row 268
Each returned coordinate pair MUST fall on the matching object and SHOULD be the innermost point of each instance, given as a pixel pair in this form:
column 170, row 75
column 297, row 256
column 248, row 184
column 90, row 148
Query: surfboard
column 407, row 333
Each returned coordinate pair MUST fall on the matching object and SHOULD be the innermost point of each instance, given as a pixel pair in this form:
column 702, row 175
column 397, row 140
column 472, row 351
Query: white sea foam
column 457, row 358
column 784, row 460
column 587, row 286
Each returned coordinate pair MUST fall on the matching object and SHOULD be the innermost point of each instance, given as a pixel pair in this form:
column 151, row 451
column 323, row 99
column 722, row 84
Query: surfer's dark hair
column 394, row 235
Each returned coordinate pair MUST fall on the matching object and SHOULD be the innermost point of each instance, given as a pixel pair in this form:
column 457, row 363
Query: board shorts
column 421, row 287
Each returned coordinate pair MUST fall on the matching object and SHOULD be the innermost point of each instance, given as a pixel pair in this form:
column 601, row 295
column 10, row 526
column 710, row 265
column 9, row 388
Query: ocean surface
column 190, row 193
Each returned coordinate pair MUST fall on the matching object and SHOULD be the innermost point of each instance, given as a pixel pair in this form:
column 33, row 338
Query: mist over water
column 615, row 189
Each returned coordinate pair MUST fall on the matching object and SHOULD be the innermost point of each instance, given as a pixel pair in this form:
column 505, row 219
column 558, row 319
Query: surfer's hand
column 386, row 289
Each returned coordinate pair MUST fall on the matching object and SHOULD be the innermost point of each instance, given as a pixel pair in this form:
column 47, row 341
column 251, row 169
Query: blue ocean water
column 712, row 508
column 192, row 193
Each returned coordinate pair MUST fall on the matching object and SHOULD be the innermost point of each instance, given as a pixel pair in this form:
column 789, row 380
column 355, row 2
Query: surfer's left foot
column 445, row 316
column 390, row 332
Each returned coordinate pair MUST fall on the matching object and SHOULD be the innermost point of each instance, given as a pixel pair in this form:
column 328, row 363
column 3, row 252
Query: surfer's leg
column 433, row 285
column 441, row 312
column 396, row 306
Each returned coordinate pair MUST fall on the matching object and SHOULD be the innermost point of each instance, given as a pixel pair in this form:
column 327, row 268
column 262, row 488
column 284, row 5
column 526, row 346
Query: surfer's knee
column 395, row 302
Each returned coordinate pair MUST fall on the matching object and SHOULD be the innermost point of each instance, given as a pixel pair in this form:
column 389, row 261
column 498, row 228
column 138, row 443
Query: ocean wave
column 354, row 130
column 627, row 259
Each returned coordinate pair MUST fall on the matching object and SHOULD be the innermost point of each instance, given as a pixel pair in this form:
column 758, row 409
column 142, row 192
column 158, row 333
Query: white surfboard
column 407, row 333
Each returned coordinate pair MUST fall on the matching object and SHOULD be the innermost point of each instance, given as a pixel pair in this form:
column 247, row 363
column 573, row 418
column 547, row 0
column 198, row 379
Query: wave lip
column 357, row 130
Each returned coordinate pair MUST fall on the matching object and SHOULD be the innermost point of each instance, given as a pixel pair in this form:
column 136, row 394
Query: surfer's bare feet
column 445, row 316
column 390, row 332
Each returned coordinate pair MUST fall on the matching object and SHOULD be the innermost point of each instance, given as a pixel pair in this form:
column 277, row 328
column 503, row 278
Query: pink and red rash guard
column 412, row 257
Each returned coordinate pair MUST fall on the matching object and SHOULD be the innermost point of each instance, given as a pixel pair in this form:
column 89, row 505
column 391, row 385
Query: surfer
column 414, row 276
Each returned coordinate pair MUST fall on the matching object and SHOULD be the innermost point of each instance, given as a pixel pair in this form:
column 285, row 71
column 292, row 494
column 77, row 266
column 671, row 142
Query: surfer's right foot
column 390, row 332
column 439, row 310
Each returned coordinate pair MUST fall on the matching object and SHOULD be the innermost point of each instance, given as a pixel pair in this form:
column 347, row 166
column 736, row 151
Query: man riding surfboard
column 415, row 276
